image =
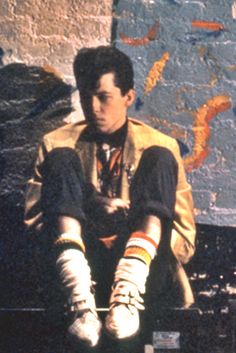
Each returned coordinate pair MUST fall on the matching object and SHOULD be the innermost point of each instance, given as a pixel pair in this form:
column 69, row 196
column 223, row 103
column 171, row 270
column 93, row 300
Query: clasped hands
column 112, row 205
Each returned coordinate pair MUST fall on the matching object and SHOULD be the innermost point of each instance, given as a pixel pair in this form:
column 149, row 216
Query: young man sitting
column 112, row 193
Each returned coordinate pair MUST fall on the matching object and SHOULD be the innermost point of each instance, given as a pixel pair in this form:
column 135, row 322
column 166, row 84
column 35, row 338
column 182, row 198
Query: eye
column 103, row 97
column 85, row 96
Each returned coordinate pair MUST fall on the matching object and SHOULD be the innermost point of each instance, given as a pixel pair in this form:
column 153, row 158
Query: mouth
column 98, row 121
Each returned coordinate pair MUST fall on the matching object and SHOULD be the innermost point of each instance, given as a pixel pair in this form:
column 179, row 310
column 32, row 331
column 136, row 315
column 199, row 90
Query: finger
column 119, row 203
column 110, row 210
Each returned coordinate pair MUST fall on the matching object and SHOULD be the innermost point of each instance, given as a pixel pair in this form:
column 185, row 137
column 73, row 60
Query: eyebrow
column 102, row 92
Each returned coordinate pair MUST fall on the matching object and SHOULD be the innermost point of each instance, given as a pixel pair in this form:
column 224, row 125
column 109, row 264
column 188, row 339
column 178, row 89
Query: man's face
column 104, row 107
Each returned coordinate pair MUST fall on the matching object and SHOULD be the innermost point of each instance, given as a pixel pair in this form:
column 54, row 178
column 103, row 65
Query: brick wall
column 38, row 41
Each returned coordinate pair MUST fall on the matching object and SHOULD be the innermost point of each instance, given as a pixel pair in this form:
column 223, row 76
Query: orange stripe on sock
column 68, row 240
column 139, row 253
column 141, row 235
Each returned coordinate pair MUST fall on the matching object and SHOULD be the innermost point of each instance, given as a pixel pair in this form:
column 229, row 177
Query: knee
column 59, row 158
column 156, row 155
column 61, row 154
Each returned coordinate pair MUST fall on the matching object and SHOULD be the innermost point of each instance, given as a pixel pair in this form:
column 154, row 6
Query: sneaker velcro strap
column 80, row 306
column 126, row 293
column 86, row 302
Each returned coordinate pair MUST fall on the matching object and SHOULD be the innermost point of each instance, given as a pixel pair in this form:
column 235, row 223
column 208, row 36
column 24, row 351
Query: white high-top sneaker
column 84, row 324
column 122, row 321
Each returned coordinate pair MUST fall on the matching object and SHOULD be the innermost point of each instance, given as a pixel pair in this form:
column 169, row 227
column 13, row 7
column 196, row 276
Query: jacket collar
column 87, row 150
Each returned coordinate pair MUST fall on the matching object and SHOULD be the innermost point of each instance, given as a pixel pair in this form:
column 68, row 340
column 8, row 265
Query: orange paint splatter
column 211, row 26
column 151, row 35
column 231, row 68
column 201, row 130
column 51, row 70
column 135, row 42
column 174, row 130
column 155, row 74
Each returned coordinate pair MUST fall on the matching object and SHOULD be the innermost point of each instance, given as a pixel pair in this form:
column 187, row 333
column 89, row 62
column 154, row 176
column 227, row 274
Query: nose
column 95, row 104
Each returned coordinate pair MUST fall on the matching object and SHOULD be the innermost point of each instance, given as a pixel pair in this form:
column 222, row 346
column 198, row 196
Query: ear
column 130, row 97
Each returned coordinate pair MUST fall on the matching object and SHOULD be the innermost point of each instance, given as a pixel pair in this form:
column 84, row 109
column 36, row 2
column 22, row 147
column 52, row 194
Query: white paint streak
column 234, row 10
column 148, row 2
column 199, row 3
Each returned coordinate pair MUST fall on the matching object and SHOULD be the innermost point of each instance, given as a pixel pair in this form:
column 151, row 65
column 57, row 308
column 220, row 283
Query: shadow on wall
column 33, row 101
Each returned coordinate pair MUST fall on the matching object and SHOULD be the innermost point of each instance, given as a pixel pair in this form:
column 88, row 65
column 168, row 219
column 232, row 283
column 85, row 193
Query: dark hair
column 91, row 63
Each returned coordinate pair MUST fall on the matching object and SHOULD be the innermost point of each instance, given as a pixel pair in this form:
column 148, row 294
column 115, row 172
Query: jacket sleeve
column 184, row 231
column 33, row 214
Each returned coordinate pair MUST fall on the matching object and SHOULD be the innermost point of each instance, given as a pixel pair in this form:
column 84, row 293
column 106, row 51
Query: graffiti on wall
column 151, row 35
column 201, row 130
column 155, row 74
column 206, row 112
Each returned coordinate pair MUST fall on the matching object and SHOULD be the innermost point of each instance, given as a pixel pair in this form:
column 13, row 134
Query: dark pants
column 152, row 192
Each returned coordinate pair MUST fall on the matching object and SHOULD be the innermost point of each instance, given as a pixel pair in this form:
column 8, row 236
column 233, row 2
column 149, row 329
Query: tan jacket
column 139, row 137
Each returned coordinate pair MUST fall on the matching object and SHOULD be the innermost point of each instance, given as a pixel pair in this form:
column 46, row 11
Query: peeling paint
column 155, row 74
column 151, row 35
column 201, row 129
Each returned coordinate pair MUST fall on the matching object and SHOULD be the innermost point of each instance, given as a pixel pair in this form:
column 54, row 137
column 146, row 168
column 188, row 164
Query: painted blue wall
column 201, row 70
